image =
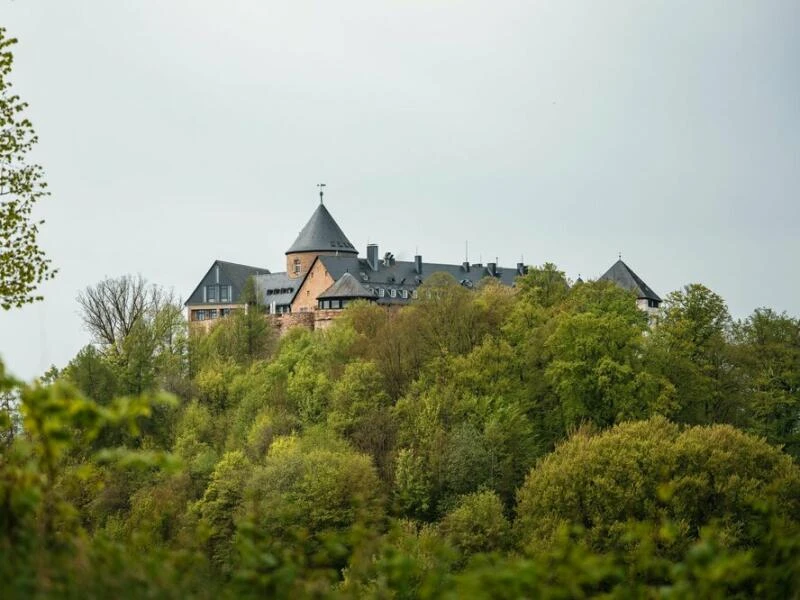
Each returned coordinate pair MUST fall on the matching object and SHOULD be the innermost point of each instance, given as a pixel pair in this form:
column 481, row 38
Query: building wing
column 230, row 275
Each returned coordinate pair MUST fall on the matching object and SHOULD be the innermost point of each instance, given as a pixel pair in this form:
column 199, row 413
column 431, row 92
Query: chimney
column 521, row 269
column 492, row 268
column 418, row 264
column 465, row 266
column 372, row 256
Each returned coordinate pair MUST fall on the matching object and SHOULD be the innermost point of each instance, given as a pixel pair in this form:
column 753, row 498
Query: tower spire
column 321, row 187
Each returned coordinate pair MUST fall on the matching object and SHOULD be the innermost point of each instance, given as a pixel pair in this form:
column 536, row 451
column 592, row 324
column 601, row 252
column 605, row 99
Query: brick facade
column 318, row 281
column 306, row 260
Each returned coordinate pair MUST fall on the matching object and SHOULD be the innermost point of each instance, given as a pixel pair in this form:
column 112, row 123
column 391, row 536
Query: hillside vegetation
column 542, row 441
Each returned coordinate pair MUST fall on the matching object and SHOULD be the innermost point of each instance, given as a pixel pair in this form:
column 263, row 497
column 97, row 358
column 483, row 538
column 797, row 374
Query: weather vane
column 321, row 192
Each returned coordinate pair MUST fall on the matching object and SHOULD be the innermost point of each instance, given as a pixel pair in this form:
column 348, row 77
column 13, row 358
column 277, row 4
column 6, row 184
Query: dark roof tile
column 346, row 286
column 322, row 234
column 623, row 276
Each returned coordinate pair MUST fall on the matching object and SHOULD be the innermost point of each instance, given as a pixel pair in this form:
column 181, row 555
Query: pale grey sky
column 174, row 133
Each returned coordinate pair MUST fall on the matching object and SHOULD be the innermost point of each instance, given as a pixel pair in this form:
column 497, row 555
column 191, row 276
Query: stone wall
column 288, row 321
column 324, row 318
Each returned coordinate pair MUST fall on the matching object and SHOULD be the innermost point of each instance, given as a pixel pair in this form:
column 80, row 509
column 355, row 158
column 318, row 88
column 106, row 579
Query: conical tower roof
column 623, row 276
column 322, row 234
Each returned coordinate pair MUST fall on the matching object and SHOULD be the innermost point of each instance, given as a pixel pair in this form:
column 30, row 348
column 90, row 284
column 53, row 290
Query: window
column 414, row 294
column 404, row 294
column 198, row 315
column 224, row 312
column 224, row 293
column 211, row 294
column 297, row 266
column 212, row 314
column 336, row 304
column 381, row 292
column 393, row 293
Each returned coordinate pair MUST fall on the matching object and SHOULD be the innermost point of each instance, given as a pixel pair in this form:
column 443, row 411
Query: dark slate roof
column 623, row 276
column 322, row 234
column 239, row 273
column 233, row 274
column 401, row 275
column 269, row 286
column 346, row 286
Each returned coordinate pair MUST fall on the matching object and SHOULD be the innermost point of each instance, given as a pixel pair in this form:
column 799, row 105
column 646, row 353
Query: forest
column 544, row 440
column 547, row 440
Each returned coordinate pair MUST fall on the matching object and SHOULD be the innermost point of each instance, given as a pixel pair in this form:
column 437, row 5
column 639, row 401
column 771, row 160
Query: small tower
column 320, row 236
column 623, row 276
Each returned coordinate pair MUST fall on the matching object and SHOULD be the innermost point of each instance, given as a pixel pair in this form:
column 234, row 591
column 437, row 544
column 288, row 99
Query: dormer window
column 393, row 293
column 381, row 292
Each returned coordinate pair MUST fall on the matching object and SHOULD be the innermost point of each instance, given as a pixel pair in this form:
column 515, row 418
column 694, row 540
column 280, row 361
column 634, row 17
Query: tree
column 652, row 470
column 595, row 366
column 307, row 508
column 690, row 348
column 23, row 265
column 91, row 372
column 112, row 308
column 767, row 348
column 477, row 524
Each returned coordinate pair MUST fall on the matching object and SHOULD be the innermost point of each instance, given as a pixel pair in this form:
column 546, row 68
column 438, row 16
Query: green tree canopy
column 23, row 265
column 654, row 470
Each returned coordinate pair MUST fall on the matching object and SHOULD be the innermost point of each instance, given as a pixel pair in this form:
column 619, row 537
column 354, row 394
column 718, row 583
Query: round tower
column 321, row 235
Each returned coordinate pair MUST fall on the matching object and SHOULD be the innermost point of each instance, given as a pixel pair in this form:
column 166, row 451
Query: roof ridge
column 228, row 262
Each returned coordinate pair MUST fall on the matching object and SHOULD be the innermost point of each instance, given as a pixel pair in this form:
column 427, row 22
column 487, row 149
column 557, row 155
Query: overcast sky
column 174, row 133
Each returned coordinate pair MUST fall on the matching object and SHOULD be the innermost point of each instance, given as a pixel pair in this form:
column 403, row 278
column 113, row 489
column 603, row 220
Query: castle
column 324, row 273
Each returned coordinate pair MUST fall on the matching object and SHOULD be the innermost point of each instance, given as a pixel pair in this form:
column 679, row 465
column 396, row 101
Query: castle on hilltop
column 324, row 273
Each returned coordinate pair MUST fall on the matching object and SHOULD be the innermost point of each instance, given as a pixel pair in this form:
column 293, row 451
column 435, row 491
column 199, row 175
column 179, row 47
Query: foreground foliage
column 23, row 264
column 541, row 441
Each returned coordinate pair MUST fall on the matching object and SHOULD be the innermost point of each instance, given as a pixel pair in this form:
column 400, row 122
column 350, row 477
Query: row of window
column 280, row 291
column 217, row 293
column 393, row 293
column 333, row 304
column 279, row 309
column 206, row 314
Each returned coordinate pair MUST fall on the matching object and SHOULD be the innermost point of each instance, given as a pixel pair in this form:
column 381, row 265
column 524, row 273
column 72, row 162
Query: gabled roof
column 276, row 287
column 623, row 276
column 322, row 234
column 239, row 273
column 234, row 273
column 346, row 286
